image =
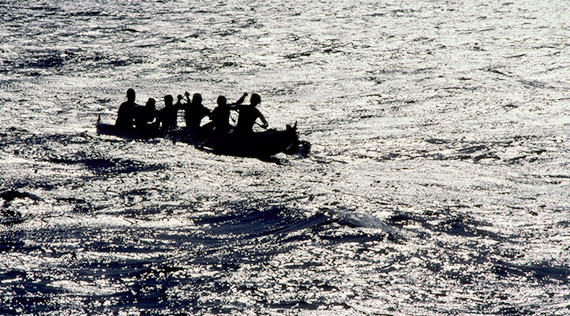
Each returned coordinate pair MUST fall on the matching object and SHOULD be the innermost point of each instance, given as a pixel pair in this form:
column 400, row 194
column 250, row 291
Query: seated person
column 145, row 117
column 168, row 116
column 127, row 111
column 178, row 103
column 195, row 112
column 248, row 114
column 221, row 115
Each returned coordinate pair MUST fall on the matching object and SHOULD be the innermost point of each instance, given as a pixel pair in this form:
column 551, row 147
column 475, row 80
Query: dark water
column 438, row 182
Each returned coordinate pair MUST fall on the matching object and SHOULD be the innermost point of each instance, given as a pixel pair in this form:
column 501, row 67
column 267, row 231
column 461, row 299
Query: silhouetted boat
column 111, row 129
column 257, row 144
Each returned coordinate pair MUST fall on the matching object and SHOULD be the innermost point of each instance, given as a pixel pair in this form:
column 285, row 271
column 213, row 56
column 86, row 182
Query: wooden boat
column 130, row 133
column 258, row 144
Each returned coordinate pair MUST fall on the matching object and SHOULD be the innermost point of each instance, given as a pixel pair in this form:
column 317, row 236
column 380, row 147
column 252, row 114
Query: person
column 195, row 112
column 179, row 106
column 127, row 111
column 145, row 117
column 179, row 102
column 220, row 116
column 248, row 114
column 185, row 107
column 168, row 115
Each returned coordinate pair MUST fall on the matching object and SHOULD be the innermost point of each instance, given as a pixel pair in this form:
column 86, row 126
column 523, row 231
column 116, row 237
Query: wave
column 252, row 223
column 541, row 272
column 290, row 225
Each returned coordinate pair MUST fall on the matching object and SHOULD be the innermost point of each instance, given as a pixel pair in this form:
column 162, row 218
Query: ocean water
column 438, row 181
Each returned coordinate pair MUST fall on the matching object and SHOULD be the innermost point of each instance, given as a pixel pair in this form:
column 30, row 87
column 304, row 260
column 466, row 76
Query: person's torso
column 221, row 115
column 195, row 114
column 145, row 115
column 168, row 115
column 247, row 117
column 127, row 113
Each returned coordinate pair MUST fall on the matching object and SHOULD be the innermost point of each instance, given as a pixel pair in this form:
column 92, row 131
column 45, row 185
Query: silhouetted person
column 220, row 116
column 178, row 103
column 127, row 111
column 168, row 116
column 185, row 107
column 195, row 112
column 145, row 116
column 248, row 114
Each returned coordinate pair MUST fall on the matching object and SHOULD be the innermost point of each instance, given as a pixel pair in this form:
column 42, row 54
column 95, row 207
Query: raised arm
column 240, row 100
column 235, row 106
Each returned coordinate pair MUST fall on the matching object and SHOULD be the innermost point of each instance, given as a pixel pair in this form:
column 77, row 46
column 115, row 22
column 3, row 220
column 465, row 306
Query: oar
column 264, row 127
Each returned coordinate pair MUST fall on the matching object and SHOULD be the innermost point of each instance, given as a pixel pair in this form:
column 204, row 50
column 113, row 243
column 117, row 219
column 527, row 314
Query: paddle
column 262, row 126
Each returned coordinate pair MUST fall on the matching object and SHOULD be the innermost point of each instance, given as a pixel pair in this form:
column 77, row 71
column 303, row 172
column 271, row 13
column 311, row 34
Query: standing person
column 195, row 112
column 248, row 114
column 127, row 111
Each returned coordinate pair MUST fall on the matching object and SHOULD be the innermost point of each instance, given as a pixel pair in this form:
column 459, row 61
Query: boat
column 257, row 144
column 126, row 133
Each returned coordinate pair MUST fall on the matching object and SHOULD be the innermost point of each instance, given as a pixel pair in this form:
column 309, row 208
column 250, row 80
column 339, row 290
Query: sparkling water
column 438, row 181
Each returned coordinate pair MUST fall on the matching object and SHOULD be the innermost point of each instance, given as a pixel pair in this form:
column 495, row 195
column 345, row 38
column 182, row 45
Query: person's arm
column 213, row 113
column 236, row 104
column 262, row 118
column 240, row 100
column 206, row 111
column 234, row 107
column 157, row 117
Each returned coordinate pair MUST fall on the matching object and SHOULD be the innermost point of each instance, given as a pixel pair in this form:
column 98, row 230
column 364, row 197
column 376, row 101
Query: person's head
column 131, row 95
column 197, row 98
column 151, row 103
column 222, row 101
column 255, row 99
column 168, row 100
column 179, row 97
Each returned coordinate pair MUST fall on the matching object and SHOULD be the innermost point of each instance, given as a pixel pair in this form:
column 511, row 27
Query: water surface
column 437, row 184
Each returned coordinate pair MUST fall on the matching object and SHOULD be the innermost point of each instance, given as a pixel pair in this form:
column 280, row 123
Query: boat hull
column 258, row 144
column 261, row 144
column 110, row 129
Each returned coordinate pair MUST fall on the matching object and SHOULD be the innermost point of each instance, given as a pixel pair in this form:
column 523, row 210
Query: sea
column 438, row 181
